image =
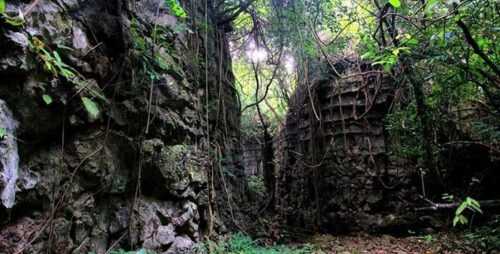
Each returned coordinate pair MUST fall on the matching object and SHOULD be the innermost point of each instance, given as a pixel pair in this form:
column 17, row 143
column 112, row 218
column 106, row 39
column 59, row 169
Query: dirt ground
column 385, row 244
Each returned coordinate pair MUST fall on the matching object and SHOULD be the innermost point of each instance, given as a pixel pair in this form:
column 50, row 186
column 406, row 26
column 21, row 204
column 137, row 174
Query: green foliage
column 2, row 6
column 486, row 237
column 256, row 185
column 176, row 8
column 389, row 56
column 91, row 107
column 403, row 127
column 153, row 51
column 242, row 244
column 487, row 129
column 273, row 107
column 447, row 197
column 141, row 251
column 13, row 21
column 52, row 62
column 3, row 133
column 469, row 204
column 395, row 3
column 427, row 238
column 47, row 99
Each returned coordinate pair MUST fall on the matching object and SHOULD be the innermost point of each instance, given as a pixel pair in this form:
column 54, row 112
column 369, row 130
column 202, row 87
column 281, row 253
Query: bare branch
column 237, row 10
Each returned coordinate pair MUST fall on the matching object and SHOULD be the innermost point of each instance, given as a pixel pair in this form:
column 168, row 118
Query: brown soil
column 358, row 244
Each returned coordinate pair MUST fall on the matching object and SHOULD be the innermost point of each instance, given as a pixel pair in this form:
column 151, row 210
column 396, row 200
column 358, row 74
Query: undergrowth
column 142, row 251
column 486, row 237
column 256, row 185
column 242, row 244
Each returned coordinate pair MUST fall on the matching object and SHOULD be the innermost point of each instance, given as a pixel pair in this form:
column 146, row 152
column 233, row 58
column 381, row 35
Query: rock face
column 339, row 170
column 9, row 155
column 252, row 156
column 334, row 173
column 109, row 97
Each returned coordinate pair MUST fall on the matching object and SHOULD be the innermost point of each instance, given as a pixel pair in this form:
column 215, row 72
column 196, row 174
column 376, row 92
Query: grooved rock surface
column 334, row 174
column 110, row 100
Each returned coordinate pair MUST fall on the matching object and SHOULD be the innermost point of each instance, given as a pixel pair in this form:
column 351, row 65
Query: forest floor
column 385, row 244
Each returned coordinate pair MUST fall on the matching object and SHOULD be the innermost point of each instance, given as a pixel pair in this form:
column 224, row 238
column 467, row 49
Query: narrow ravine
column 249, row 126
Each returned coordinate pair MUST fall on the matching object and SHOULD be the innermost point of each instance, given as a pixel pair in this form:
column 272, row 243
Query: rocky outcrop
column 334, row 173
column 9, row 156
column 109, row 98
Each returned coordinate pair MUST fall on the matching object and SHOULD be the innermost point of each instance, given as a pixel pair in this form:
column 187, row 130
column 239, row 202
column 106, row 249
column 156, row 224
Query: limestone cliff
column 110, row 99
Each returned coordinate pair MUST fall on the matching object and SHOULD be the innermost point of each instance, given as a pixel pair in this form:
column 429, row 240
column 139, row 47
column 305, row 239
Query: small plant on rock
column 52, row 62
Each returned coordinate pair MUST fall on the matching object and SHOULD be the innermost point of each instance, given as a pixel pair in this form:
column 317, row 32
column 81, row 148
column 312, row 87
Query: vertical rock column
column 335, row 171
column 110, row 100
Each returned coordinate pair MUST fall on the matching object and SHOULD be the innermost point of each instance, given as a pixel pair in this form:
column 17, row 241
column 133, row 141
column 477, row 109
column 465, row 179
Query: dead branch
column 446, row 206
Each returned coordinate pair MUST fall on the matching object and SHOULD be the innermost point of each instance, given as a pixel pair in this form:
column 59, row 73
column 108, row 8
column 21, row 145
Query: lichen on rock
column 9, row 156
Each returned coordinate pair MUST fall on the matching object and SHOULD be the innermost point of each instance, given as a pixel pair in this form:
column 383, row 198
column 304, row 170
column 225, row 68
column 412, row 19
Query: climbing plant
column 441, row 56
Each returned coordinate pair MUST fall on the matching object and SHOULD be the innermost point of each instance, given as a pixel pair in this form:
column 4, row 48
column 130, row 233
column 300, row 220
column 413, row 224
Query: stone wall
column 252, row 156
column 334, row 174
column 131, row 174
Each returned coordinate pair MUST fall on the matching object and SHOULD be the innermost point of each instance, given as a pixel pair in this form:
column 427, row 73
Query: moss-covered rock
column 90, row 183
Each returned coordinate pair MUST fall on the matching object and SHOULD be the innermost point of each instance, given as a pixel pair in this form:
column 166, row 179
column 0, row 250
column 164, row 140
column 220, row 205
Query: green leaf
column 461, row 208
column 176, row 8
column 66, row 73
column 460, row 219
column 455, row 221
column 473, row 205
column 367, row 55
column 463, row 220
column 47, row 99
column 395, row 51
column 412, row 42
column 429, row 5
column 474, row 202
column 57, row 58
column 13, row 21
column 91, row 107
column 3, row 133
column 395, row 3
column 2, row 6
